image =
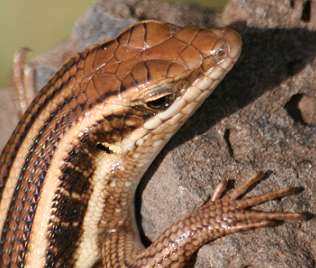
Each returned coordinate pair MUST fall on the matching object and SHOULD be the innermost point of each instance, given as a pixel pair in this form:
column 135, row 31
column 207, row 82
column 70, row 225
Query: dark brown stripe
column 81, row 96
column 39, row 103
column 78, row 169
column 46, row 94
column 68, row 211
column 25, row 197
column 27, row 185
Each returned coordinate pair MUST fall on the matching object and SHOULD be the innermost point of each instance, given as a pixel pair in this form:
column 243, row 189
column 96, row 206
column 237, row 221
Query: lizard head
column 172, row 71
column 154, row 75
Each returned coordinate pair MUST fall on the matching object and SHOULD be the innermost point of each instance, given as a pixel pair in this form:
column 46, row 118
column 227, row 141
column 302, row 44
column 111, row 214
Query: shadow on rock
column 269, row 57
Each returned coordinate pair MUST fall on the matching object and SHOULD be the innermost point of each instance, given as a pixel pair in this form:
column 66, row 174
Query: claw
column 242, row 189
column 235, row 208
column 256, row 200
column 219, row 190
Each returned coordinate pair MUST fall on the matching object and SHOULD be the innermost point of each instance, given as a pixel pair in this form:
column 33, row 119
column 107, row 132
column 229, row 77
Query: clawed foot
column 223, row 214
column 235, row 210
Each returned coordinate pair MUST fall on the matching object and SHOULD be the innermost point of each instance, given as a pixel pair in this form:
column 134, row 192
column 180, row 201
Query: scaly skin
column 72, row 165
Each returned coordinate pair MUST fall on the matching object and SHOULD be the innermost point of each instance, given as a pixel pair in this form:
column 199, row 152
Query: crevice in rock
column 136, row 13
column 306, row 12
column 227, row 140
column 292, row 3
column 292, row 108
column 302, row 108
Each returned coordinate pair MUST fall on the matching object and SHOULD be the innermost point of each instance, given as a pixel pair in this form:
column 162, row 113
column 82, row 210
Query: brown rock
column 307, row 107
column 8, row 115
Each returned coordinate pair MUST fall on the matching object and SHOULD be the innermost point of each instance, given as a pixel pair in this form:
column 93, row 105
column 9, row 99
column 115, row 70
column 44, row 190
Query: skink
column 72, row 165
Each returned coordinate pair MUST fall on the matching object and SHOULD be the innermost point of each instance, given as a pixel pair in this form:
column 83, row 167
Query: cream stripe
column 19, row 160
column 38, row 239
column 88, row 251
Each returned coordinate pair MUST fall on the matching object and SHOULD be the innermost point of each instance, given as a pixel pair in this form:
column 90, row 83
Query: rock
column 245, row 126
column 8, row 115
column 307, row 107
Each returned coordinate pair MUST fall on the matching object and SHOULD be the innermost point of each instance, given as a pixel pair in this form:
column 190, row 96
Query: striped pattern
column 72, row 164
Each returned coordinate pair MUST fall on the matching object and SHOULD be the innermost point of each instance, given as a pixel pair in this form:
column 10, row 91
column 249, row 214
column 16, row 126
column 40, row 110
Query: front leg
column 219, row 217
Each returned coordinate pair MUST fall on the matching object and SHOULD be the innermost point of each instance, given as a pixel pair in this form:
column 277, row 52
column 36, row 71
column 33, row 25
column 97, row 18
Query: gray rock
column 8, row 115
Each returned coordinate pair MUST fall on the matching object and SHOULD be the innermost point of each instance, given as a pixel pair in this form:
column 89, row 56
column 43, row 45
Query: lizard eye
column 160, row 97
column 161, row 103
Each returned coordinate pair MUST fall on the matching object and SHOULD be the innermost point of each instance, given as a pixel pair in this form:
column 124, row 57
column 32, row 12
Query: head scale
column 170, row 73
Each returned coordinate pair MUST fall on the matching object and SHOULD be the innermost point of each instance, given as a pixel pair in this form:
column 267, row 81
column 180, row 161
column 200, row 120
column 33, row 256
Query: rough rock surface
column 8, row 115
column 255, row 120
